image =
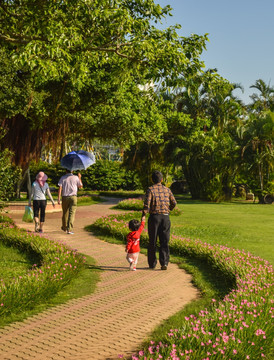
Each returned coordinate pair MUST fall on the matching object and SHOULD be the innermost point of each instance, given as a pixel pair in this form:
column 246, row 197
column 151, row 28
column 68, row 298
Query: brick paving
column 124, row 309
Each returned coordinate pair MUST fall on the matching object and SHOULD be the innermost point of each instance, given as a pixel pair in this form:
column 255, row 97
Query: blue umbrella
column 78, row 160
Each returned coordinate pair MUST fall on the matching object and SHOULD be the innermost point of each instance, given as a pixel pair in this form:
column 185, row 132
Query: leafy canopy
column 82, row 63
column 68, row 37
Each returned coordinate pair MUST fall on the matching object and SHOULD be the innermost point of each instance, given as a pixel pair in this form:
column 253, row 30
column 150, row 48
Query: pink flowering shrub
column 240, row 326
column 58, row 266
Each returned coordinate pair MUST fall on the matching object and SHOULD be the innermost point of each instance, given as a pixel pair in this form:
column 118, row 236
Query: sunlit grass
column 232, row 320
column 245, row 226
column 58, row 273
column 87, row 199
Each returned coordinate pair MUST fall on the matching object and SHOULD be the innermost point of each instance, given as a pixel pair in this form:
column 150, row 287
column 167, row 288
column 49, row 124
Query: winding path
column 124, row 309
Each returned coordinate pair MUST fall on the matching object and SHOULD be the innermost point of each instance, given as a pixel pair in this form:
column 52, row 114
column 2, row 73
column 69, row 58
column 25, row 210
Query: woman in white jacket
column 39, row 190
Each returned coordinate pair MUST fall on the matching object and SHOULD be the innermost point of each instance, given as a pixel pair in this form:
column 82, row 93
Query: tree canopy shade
column 76, row 67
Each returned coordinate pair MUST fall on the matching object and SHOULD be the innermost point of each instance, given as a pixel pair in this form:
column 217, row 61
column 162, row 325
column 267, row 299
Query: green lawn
column 17, row 261
column 14, row 262
column 86, row 199
column 240, row 225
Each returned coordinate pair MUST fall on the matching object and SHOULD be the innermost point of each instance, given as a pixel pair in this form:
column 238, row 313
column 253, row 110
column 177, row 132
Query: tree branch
column 14, row 38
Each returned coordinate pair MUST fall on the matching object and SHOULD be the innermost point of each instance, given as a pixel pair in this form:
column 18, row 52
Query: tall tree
column 82, row 63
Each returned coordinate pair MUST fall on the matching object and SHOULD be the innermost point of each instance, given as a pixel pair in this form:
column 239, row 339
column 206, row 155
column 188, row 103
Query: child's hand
column 143, row 218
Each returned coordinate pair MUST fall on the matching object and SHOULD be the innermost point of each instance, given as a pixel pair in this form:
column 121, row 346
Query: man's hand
column 59, row 194
column 81, row 184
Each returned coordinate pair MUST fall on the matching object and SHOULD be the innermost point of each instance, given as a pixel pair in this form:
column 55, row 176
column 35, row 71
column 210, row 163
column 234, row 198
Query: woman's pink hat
column 41, row 178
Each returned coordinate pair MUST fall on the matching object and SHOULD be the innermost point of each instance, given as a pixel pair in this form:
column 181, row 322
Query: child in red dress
column 133, row 242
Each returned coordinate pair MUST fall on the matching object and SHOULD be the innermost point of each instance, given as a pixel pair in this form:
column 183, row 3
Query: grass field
column 239, row 225
column 231, row 319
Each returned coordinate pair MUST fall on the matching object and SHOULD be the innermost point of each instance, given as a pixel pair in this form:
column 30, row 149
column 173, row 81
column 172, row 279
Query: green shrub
column 130, row 204
column 109, row 175
column 53, row 171
column 9, row 176
column 103, row 175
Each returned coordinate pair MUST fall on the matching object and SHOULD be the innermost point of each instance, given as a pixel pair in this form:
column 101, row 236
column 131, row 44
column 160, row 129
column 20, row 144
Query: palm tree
column 265, row 99
column 206, row 147
column 209, row 96
column 225, row 109
column 257, row 151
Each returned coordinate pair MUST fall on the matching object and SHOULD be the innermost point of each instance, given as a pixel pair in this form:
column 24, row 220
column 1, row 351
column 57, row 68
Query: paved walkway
column 122, row 312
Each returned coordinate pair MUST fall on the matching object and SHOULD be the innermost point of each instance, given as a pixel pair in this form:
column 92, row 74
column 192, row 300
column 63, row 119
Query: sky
column 241, row 37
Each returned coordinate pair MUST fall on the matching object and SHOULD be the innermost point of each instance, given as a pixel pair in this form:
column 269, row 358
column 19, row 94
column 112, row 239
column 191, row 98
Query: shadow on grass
column 83, row 284
column 30, row 256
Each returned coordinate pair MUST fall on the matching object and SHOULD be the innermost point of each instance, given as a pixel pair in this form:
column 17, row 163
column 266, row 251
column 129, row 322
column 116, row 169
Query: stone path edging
column 124, row 309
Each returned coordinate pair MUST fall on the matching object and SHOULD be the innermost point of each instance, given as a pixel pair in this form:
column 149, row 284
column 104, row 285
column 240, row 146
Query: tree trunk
column 192, row 181
column 227, row 187
column 20, row 183
column 62, row 147
column 28, row 183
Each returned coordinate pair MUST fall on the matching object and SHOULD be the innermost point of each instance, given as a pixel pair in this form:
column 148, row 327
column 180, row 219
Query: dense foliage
column 84, row 68
column 103, row 175
column 110, row 175
column 102, row 69
column 9, row 176
column 214, row 139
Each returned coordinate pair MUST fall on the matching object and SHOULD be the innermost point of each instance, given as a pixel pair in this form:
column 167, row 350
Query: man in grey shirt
column 68, row 188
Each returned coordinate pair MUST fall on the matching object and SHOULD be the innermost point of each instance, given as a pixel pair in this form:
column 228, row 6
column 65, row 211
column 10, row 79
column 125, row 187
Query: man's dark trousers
column 158, row 225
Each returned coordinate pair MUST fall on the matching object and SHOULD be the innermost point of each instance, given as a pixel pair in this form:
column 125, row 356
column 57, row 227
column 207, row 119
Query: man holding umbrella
column 69, row 184
column 68, row 188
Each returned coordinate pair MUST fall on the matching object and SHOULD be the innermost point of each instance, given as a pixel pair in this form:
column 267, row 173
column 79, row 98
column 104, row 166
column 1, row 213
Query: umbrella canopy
column 78, row 160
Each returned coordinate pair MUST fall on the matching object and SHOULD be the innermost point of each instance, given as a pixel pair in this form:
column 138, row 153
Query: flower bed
column 138, row 204
column 239, row 326
column 57, row 267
